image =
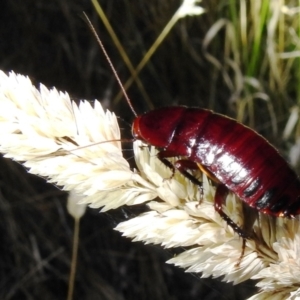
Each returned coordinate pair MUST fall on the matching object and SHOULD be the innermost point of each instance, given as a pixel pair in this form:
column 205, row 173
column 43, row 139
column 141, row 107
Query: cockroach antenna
column 110, row 63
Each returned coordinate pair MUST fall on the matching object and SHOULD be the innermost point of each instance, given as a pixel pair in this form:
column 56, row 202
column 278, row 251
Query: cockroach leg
column 183, row 165
column 162, row 156
column 242, row 254
column 220, row 197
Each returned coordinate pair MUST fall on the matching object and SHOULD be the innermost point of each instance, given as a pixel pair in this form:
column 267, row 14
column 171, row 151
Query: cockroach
column 235, row 157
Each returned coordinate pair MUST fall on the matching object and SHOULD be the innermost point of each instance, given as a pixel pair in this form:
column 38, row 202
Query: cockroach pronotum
column 233, row 156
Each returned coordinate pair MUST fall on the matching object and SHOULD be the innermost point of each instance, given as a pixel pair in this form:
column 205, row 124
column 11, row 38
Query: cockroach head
column 158, row 126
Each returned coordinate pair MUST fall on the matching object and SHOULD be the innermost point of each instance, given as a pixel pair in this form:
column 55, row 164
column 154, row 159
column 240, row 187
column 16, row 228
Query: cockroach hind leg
column 220, row 197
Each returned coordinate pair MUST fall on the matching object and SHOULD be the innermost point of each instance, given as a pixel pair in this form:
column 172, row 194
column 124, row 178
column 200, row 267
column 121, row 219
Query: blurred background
column 239, row 58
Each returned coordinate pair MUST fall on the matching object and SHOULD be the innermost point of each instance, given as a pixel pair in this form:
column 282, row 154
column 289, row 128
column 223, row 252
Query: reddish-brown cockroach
column 234, row 156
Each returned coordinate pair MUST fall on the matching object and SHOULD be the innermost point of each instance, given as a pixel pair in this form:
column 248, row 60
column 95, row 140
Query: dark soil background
column 50, row 42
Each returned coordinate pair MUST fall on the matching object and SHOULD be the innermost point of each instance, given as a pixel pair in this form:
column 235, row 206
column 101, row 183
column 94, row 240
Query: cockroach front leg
column 162, row 156
column 182, row 165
